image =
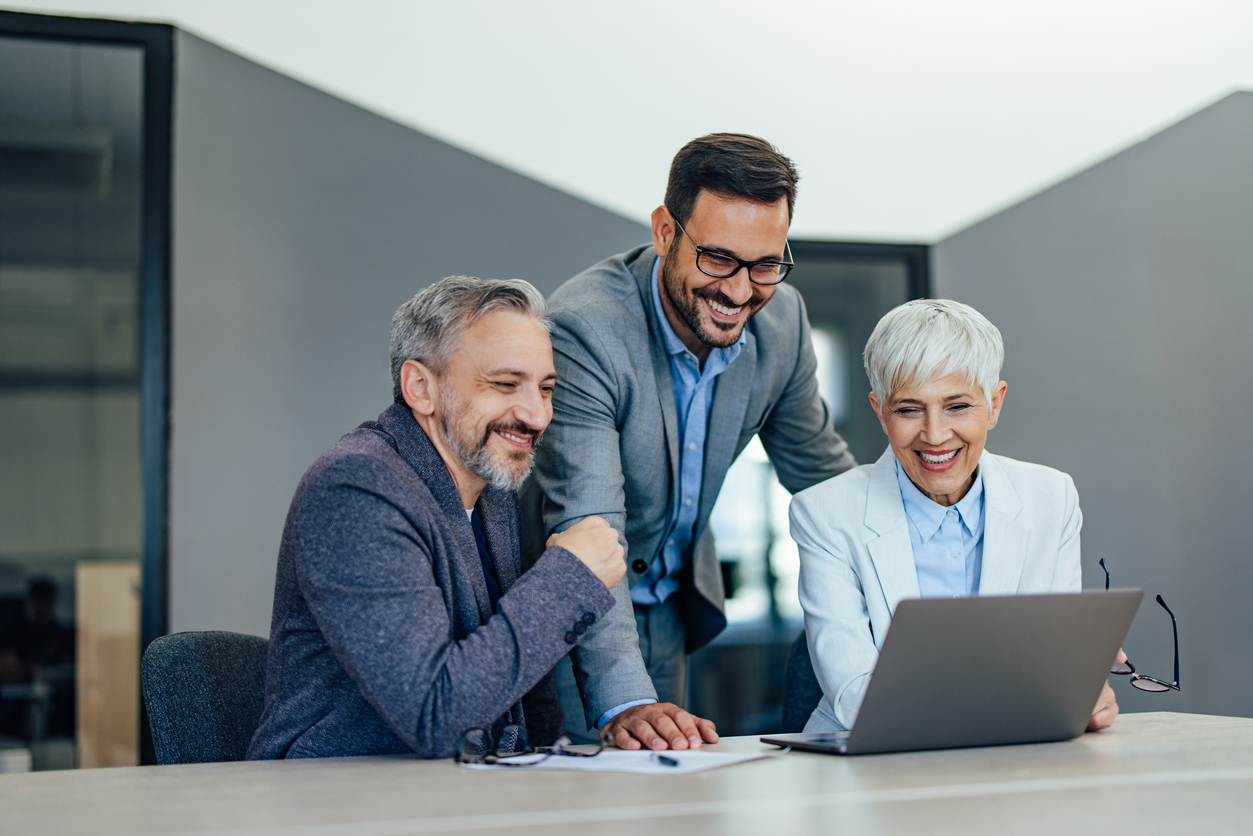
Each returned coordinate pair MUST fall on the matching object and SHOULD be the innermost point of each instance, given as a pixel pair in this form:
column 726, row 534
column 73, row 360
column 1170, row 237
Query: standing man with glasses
column 671, row 357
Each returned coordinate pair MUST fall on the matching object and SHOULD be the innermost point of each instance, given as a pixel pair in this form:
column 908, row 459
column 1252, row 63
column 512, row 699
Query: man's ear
column 419, row 387
column 664, row 230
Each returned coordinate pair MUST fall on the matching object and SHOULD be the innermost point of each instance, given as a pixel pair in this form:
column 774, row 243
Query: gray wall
column 1125, row 296
column 301, row 222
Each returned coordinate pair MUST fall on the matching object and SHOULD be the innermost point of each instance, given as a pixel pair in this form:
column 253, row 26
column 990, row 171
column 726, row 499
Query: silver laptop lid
column 991, row 670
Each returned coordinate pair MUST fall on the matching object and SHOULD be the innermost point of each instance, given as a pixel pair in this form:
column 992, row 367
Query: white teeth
column 515, row 438
column 723, row 310
column 930, row 459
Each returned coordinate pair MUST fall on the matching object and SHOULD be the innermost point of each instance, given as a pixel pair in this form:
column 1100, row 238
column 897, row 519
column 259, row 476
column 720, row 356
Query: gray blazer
column 612, row 448
column 383, row 640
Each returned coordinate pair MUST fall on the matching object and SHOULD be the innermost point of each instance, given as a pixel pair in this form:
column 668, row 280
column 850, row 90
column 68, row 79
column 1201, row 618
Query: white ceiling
column 908, row 119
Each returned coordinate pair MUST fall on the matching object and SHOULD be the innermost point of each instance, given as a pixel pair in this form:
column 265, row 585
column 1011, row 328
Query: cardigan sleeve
column 365, row 566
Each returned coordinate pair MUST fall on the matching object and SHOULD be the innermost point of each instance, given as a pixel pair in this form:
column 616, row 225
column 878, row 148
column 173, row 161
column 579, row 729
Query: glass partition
column 71, row 495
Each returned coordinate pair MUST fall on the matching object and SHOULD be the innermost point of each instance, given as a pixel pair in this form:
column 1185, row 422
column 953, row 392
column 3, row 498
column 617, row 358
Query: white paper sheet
column 617, row 760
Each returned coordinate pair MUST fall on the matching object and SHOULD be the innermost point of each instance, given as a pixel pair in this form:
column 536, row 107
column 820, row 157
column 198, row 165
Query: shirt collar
column 928, row 515
column 674, row 345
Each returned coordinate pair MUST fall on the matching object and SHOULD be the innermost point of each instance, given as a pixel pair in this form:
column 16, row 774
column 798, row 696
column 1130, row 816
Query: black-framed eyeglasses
column 478, row 746
column 1147, row 683
column 723, row 266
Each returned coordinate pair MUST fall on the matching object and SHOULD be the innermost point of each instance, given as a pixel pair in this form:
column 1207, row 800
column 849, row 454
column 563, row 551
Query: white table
column 1161, row 774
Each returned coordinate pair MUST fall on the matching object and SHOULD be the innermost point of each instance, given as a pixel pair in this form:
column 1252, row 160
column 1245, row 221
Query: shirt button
column 639, row 566
column 956, row 596
column 953, row 552
column 691, row 446
column 687, row 501
column 952, row 513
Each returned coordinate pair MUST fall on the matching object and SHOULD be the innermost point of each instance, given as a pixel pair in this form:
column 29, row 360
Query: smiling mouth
column 938, row 458
column 724, row 310
column 516, row 439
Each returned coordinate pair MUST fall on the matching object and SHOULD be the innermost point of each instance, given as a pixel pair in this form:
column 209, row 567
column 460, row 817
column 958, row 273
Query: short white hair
column 931, row 338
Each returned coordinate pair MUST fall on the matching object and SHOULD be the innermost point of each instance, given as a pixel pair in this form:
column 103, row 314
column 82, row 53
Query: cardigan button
column 580, row 627
column 638, row 566
column 571, row 638
column 589, row 618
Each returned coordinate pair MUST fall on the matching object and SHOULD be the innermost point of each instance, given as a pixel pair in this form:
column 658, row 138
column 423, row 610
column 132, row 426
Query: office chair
column 204, row 693
column 801, row 691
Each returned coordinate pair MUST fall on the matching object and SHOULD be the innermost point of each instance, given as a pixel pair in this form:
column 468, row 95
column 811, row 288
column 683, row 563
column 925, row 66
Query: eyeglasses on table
column 1147, row 683
column 477, row 745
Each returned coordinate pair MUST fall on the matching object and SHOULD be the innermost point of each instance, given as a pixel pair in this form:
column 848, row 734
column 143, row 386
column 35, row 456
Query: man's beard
column 505, row 471
column 687, row 305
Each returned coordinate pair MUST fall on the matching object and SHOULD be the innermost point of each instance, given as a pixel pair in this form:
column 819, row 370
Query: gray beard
column 474, row 453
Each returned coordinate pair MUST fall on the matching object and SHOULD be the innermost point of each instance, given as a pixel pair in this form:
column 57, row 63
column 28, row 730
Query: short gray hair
column 930, row 338
column 427, row 327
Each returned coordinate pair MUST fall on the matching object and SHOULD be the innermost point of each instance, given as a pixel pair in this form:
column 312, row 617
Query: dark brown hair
column 730, row 165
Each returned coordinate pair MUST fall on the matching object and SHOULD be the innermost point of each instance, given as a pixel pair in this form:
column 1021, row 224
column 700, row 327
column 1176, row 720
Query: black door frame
column 157, row 42
column 916, row 257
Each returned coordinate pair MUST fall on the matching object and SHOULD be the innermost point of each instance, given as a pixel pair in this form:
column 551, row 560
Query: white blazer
column 857, row 562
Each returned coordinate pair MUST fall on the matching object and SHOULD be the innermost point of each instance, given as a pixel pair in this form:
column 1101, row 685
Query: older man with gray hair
column 937, row 515
column 401, row 618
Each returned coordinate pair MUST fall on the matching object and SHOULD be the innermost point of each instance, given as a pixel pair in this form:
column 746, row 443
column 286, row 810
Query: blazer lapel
column 642, row 269
column 498, row 511
column 726, row 419
column 417, row 450
column 891, row 551
column 1006, row 540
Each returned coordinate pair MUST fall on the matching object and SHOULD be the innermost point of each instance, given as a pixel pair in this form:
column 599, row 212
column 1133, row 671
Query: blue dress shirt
column 693, row 397
column 947, row 542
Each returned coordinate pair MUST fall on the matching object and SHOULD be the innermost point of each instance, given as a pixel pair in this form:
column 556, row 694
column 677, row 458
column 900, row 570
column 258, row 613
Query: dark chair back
column 801, row 691
column 204, row 693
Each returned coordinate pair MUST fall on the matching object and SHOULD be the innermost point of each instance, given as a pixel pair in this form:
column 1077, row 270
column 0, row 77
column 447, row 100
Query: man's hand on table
column 658, row 725
column 1106, row 709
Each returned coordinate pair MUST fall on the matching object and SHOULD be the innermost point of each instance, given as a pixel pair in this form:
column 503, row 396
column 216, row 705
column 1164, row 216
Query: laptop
column 984, row 671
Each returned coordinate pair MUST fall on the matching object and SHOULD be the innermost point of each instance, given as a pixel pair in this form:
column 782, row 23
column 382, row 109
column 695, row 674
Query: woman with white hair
column 936, row 515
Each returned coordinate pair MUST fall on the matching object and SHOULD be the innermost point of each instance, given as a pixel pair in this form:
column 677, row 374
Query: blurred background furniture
column 108, row 663
column 801, row 691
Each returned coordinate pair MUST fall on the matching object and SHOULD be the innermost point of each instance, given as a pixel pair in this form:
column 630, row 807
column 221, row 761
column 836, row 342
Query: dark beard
column 686, row 303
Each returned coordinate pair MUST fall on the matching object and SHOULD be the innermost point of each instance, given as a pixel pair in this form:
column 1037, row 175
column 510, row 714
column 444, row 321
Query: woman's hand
column 1106, row 709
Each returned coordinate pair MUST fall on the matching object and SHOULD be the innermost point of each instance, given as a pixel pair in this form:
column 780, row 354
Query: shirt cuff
column 618, row 709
